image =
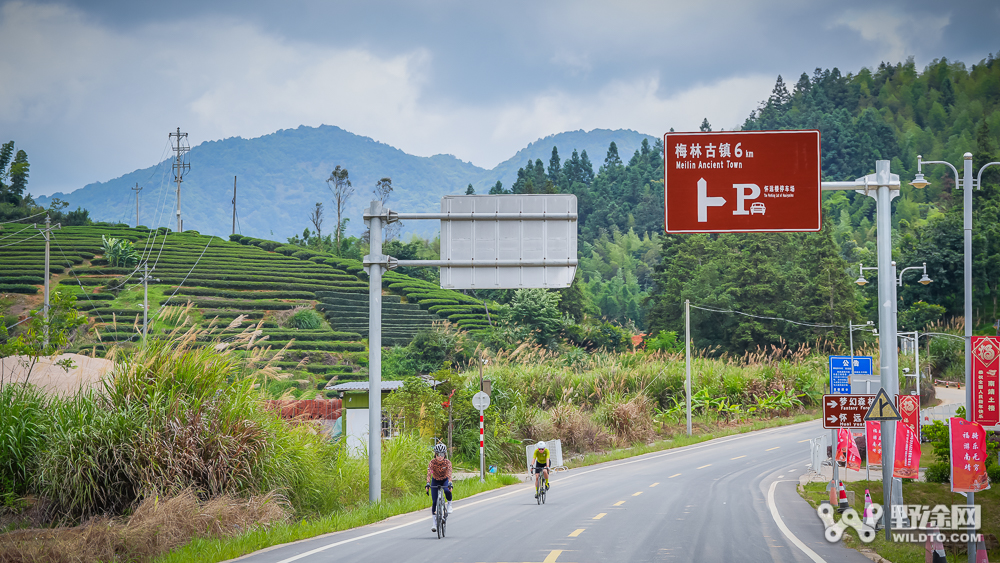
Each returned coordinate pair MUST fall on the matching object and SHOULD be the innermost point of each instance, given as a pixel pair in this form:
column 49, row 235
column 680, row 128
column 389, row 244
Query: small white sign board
column 504, row 244
column 481, row 401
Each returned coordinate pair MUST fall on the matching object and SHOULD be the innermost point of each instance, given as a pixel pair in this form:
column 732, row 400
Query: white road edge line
column 424, row 519
column 784, row 529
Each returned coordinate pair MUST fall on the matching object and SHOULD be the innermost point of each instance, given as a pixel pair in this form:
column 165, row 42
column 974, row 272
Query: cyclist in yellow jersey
column 542, row 462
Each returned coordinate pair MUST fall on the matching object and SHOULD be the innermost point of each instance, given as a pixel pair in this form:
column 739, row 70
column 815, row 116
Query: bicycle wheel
column 439, row 515
column 542, row 495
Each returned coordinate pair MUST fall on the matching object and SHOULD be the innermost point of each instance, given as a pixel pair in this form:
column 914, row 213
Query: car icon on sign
column 756, row 208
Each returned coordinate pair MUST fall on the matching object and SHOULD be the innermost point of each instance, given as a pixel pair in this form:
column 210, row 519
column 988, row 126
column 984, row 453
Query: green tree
column 340, row 186
column 13, row 174
column 536, row 310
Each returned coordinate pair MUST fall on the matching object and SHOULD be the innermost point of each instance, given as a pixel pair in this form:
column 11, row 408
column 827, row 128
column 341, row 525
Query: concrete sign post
column 481, row 401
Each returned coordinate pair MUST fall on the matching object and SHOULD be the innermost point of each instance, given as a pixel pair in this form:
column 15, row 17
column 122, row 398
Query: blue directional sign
column 840, row 372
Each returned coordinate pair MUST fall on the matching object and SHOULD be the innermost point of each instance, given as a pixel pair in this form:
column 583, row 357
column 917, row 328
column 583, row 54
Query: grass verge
column 714, row 431
column 221, row 549
column 929, row 494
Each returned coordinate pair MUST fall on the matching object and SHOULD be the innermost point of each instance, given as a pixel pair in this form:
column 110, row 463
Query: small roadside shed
column 355, row 404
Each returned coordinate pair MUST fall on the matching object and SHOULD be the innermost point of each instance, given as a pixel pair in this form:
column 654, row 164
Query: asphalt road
column 708, row 502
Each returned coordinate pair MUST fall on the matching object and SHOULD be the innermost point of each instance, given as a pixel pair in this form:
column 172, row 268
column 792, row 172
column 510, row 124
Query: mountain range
column 281, row 176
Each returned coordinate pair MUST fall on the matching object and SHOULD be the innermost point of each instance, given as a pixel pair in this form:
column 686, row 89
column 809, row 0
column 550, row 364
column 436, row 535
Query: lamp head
column 919, row 182
column 925, row 280
column 861, row 280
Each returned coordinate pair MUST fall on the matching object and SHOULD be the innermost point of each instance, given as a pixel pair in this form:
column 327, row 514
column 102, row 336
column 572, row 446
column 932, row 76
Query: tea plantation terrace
column 269, row 283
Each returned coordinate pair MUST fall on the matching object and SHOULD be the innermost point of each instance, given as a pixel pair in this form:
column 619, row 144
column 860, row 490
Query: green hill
column 281, row 176
column 314, row 303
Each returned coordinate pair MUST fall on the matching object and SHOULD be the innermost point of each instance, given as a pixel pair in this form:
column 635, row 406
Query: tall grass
column 24, row 422
column 173, row 416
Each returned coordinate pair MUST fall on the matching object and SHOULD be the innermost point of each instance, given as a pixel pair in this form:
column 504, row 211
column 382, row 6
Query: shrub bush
column 306, row 319
column 304, row 254
column 18, row 288
column 938, row 472
column 235, row 237
column 269, row 245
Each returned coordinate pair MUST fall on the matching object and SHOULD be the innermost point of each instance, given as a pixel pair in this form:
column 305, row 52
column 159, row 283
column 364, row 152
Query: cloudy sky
column 90, row 88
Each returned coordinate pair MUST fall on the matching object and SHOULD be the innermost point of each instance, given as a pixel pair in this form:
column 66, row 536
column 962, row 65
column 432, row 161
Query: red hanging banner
column 873, row 442
column 847, row 449
column 906, row 461
column 968, row 456
column 909, row 410
column 986, row 380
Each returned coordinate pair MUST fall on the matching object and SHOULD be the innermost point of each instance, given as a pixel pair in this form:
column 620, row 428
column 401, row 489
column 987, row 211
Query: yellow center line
column 806, row 440
column 576, row 533
column 619, row 503
column 552, row 556
column 737, row 457
column 704, row 466
column 674, row 475
column 774, row 448
column 653, row 485
column 637, row 494
column 601, row 515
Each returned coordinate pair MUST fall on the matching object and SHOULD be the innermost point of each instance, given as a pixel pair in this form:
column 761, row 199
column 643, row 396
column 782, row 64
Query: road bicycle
column 440, row 512
column 539, row 486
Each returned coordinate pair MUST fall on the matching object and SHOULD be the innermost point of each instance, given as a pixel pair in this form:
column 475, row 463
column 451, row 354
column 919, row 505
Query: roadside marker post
column 481, row 402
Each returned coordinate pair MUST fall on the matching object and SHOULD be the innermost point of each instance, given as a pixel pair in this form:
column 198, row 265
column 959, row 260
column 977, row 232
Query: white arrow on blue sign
column 840, row 372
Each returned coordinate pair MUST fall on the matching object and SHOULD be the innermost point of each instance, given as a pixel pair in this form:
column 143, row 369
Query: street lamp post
column 966, row 183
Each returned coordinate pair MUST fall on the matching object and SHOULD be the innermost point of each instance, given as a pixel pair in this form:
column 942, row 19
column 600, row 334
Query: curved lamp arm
column 921, row 162
column 979, row 177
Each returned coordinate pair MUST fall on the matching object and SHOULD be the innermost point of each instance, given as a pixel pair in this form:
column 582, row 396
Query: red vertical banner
column 968, row 456
column 847, row 449
column 906, row 461
column 873, row 442
column 909, row 409
column 986, row 380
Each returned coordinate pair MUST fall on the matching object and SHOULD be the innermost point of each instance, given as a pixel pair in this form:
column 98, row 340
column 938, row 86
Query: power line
column 813, row 325
column 22, row 240
column 23, row 218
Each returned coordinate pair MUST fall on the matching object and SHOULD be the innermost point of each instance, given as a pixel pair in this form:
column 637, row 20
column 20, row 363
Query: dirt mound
column 52, row 378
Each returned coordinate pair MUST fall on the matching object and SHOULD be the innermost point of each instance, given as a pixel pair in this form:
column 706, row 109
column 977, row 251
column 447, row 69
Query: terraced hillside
column 268, row 282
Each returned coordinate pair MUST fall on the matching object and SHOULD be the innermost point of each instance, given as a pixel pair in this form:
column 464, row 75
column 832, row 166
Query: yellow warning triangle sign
column 882, row 408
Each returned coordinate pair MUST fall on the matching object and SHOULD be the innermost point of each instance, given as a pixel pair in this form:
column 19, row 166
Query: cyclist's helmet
column 440, row 449
column 540, row 445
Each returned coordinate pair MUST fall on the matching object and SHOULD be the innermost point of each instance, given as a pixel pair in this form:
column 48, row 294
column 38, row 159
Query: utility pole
column 179, row 168
column 234, row 205
column 45, row 307
column 136, row 189
column 145, row 298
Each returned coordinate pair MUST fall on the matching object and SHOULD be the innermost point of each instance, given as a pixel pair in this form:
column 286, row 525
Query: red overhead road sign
column 741, row 181
column 846, row 411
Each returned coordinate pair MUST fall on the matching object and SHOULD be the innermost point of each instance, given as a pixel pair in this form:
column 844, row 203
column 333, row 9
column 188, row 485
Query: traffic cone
column 843, row 498
column 869, row 515
column 933, row 548
column 833, row 493
column 981, row 555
